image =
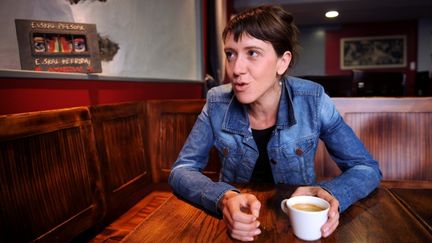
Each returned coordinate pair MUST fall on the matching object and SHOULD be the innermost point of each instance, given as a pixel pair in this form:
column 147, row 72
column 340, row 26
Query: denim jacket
column 306, row 114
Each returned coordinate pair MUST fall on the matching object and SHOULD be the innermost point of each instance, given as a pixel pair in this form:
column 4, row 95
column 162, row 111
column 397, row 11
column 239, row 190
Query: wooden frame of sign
column 58, row 46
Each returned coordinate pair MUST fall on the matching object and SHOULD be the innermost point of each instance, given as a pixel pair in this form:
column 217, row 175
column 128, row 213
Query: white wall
column 157, row 39
column 24, row 9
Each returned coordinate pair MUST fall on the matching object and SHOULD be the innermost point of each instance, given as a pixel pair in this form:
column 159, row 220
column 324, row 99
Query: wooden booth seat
column 120, row 132
column 396, row 131
column 170, row 122
column 49, row 175
column 70, row 171
column 66, row 171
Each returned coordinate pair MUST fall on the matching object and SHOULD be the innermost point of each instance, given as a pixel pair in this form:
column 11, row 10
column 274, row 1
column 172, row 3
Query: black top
column 262, row 172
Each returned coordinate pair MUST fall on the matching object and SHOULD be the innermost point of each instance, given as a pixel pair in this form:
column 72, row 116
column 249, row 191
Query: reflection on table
column 418, row 201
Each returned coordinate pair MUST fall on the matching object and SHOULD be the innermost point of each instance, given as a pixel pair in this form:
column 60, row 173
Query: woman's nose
column 239, row 66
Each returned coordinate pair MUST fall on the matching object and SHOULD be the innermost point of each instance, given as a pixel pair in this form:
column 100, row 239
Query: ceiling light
column 332, row 14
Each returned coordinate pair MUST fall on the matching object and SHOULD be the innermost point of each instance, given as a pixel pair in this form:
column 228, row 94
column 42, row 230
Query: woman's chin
column 245, row 99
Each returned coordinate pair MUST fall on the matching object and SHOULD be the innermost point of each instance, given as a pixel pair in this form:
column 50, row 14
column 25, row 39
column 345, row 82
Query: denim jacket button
column 225, row 151
column 299, row 152
column 273, row 161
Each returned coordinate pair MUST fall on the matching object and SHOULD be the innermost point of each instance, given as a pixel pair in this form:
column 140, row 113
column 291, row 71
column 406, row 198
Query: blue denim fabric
column 306, row 114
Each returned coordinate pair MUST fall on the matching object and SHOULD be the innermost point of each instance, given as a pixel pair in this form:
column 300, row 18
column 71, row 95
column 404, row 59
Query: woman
column 266, row 127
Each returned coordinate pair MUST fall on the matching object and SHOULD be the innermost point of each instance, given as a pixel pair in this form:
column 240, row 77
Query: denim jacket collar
column 286, row 117
column 236, row 118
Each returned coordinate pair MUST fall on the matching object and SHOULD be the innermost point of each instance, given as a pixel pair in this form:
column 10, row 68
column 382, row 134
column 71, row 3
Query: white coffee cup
column 306, row 224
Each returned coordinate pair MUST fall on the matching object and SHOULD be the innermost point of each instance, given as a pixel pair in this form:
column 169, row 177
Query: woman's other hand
column 333, row 215
column 240, row 214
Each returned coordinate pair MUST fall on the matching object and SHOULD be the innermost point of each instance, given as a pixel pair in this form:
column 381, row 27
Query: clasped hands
column 241, row 212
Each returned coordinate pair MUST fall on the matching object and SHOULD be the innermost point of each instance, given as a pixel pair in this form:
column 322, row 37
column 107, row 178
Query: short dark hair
column 267, row 23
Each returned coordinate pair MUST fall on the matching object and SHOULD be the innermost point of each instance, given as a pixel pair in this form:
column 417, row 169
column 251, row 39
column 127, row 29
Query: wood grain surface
column 378, row 218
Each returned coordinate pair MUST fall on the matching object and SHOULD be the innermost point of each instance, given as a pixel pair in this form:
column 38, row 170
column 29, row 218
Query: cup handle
column 284, row 206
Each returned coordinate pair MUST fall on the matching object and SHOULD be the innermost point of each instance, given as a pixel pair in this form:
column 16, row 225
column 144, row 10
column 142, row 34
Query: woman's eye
column 252, row 53
column 229, row 55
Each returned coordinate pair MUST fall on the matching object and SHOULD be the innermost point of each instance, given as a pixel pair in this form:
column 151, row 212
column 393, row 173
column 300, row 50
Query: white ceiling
column 311, row 12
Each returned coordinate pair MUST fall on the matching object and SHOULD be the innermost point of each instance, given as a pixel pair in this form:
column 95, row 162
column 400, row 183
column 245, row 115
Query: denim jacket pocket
column 291, row 163
column 230, row 156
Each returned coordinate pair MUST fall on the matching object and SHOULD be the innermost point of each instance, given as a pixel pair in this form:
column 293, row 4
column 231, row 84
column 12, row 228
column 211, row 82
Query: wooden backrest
column 374, row 83
column 396, row 131
column 170, row 122
column 121, row 136
column 50, row 183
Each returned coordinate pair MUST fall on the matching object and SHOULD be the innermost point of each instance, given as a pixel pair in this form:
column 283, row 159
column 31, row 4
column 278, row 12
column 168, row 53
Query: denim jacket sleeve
column 186, row 177
column 360, row 172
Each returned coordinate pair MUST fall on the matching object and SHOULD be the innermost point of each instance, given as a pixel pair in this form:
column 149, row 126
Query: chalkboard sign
column 58, row 46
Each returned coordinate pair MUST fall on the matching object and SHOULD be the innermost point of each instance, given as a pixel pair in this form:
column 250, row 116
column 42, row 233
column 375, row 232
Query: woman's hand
column 240, row 213
column 333, row 215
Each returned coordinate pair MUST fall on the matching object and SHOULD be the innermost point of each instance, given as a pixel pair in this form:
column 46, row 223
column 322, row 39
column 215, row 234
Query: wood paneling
column 396, row 131
column 170, row 122
column 49, row 177
column 120, row 131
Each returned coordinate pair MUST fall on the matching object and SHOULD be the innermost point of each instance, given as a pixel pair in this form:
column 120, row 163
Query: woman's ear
column 284, row 62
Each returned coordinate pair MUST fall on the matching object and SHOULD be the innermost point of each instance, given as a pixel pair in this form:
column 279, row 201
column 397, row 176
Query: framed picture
column 373, row 52
column 58, row 46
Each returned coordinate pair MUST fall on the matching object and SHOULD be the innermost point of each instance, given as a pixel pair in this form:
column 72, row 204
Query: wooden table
column 384, row 216
column 418, row 201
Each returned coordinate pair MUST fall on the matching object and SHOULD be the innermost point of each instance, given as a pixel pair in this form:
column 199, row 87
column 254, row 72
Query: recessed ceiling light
column 332, row 14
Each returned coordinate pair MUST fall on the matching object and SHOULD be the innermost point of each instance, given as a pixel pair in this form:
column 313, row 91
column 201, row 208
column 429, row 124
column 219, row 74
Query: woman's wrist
column 227, row 195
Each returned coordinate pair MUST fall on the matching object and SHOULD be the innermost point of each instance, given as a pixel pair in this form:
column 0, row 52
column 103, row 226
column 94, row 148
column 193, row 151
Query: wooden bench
column 69, row 171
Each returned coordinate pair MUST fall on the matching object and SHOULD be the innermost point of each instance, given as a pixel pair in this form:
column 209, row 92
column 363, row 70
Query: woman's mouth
column 239, row 87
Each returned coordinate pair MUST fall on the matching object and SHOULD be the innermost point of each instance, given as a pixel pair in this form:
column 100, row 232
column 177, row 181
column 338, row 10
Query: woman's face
column 254, row 68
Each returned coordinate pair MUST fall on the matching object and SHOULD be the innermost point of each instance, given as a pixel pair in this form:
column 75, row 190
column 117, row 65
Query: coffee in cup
column 307, row 215
column 308, row 207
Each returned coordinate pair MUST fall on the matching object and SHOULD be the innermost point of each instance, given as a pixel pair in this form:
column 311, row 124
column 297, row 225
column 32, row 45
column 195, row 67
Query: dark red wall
column 26, row 94
column 409, row 28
